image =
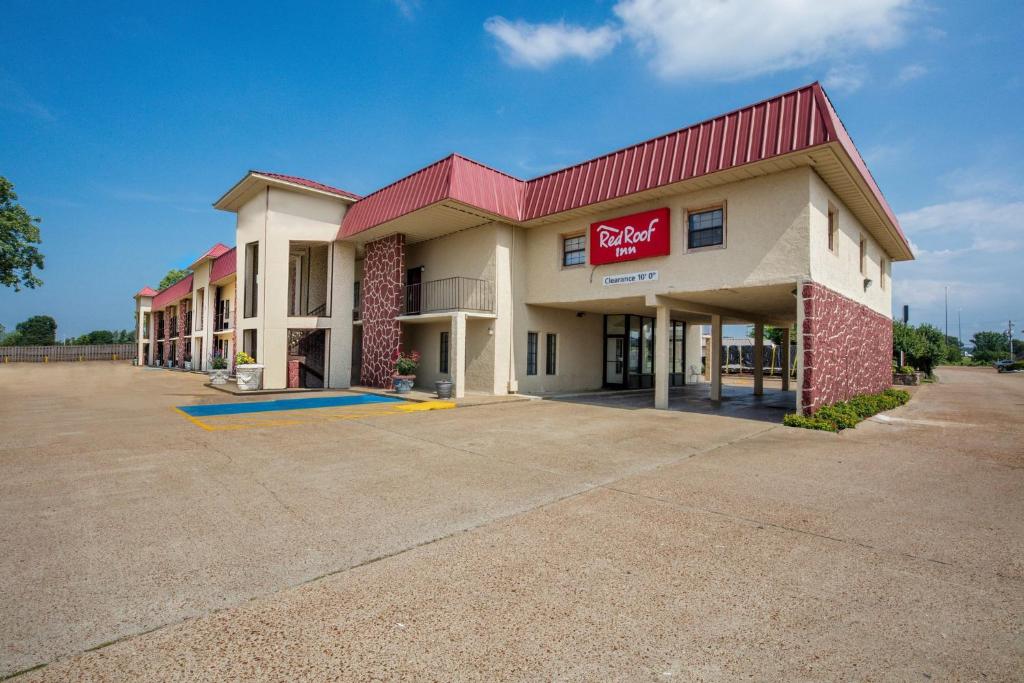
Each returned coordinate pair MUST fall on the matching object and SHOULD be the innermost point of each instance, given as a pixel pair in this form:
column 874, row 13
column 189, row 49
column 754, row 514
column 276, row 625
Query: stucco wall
column 766, row 242
column 846, row 346
column 273, row 218
column 580, row 354
column 839, row 270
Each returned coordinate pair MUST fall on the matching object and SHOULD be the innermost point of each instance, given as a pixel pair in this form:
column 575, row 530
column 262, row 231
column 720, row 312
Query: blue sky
column 120, row 123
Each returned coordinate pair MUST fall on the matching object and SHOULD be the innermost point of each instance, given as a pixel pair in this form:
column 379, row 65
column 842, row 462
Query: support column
column 758, row 359
column 785, row 359
column 457, row 349
column 716, row 357
column 662, row 327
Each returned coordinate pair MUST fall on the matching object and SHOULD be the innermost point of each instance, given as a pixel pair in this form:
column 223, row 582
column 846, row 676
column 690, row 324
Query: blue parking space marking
column 284, row 404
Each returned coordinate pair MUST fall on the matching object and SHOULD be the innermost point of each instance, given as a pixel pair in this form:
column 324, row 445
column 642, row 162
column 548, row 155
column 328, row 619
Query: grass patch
column 847, row 414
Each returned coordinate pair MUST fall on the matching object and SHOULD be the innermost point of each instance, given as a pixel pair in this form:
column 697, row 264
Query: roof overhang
column 253, row 182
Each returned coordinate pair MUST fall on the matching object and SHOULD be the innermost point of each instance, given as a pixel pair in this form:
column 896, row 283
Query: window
column 442, row 364
column 863, row 256
column 252, row 279
column 706, row 229
column 550, row 365
column 833, row 230
column 574, row 250
column 531, row 353
column 357, row 294
column 249, row 343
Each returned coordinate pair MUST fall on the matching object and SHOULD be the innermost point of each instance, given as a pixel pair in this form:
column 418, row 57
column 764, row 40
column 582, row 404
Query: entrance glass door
column 614, row 348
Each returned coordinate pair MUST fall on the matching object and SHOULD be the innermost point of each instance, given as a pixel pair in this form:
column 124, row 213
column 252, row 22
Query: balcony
column 173, row 329
column 222, row 321
column 449, row 294
column 188, row 325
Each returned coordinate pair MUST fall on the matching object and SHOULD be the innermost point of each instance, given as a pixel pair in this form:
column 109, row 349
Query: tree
column 173, row 275
column 905, row 339
column 990, row 346
column 773, row 333
column 39, row 330
column 19, row 232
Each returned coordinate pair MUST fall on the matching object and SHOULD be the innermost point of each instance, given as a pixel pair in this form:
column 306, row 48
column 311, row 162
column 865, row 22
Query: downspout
column 512, row 317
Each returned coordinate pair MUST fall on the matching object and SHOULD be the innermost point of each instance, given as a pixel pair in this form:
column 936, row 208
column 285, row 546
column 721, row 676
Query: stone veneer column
column 383, row 273
column 179, row 362
column 847, row 348
column 168, row 333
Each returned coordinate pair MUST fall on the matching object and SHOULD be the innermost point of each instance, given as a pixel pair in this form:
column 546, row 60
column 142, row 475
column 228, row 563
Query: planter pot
column 219, row 376
column 250, row 377
column 170, row 363
column 910, row 379
column 403, row 383
column 188, row 365
column 444, row 388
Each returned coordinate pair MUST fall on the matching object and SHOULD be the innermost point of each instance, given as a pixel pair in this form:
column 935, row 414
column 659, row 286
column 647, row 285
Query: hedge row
column 846, row 414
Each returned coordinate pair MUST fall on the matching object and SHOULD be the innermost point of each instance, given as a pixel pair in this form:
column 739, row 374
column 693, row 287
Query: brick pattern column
column 383, row 276
column 179, row 362
column 168, row 333
column 847, row 348
column 158, row 320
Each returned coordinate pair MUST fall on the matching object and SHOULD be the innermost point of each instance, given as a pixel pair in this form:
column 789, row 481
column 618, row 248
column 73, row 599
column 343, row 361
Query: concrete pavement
column 519, row 541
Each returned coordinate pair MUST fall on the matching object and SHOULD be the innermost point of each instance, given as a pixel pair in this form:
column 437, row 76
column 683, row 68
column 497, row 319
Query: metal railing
column 173, row 329
column 222, row 321
column 448, row 294
column 188, row 325
column 61, row 353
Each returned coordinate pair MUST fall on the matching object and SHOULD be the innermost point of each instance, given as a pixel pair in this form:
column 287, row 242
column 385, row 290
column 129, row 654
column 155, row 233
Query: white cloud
column 728, row 39
column 846, row 78
column 980, row 217
column 539, row 45
column 910, row 72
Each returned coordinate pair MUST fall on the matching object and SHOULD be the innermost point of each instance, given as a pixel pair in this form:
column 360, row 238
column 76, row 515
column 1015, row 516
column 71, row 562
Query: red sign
column 640, row 235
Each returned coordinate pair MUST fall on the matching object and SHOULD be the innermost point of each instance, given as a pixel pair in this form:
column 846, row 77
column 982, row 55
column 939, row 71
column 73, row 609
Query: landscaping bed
column 847, row 414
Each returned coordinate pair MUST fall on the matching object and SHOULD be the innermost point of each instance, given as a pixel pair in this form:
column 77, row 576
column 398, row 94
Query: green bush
column 846, row 414
column 905, row 370
column 805, row 422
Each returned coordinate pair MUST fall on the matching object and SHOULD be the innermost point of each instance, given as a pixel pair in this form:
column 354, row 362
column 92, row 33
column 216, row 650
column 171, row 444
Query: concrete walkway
column 523, row 541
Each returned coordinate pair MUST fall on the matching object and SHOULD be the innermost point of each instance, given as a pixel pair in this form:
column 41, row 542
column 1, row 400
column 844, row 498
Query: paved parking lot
column 508, row 541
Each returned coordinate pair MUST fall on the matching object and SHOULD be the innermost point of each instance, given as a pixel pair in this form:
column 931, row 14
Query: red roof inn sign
column 637, row 236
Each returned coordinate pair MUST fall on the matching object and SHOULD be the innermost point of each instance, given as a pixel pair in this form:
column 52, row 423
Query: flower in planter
column 406, row 364
column 242, row 358
column 218, row 361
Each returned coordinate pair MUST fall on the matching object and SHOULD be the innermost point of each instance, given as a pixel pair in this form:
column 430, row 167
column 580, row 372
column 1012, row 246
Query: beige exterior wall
column 839, row 270
column 274, row 218
column 766, row 242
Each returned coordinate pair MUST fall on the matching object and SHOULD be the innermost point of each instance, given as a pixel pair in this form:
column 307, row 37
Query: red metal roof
column 454, row 177
column 173, row 293
column 223, row 266
column 145, row 291
column 213, row 252
column 308, row 183
column 794, row 121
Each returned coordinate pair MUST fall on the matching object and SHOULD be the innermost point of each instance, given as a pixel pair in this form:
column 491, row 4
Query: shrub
column 805, row 422
column 846, row 414
column 905, row 370
column 242, row 358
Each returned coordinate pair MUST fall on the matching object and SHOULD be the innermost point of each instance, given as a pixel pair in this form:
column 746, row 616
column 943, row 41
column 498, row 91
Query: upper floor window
column 252, row 279
column 833, row 229
column 863, row 256
column 574, row 250
column 706, row 229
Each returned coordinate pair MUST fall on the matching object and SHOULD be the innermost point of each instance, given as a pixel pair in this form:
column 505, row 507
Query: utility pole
column 945, row 338
column 959, row 331
column 1009, row 334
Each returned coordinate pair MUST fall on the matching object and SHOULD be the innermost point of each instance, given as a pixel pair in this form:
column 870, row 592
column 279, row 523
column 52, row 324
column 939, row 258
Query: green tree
column 19, row 232
column 990, row 346
column 773, row 333
column 173, row 275
column 39, row 330
column 907, row 340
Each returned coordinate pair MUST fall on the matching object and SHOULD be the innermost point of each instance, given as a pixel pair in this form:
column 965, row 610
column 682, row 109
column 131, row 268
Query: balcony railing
column 222, row 321
column 173, row 329
column 188, row 325
column 160, row 331
column 449, row 294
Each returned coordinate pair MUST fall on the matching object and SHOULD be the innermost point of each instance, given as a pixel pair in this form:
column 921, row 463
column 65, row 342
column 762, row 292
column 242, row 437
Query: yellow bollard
column 46, row 359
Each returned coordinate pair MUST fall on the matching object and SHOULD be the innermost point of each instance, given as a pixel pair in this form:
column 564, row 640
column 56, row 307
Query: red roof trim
column 146, row 291
column 173, row 293
column 224, row 265
column 312, row 184
column 796, row 120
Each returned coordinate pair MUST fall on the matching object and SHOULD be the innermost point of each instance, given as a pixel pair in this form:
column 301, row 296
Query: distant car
column 1005, row 366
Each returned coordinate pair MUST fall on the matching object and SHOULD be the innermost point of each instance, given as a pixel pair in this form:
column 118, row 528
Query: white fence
column 56, row 354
